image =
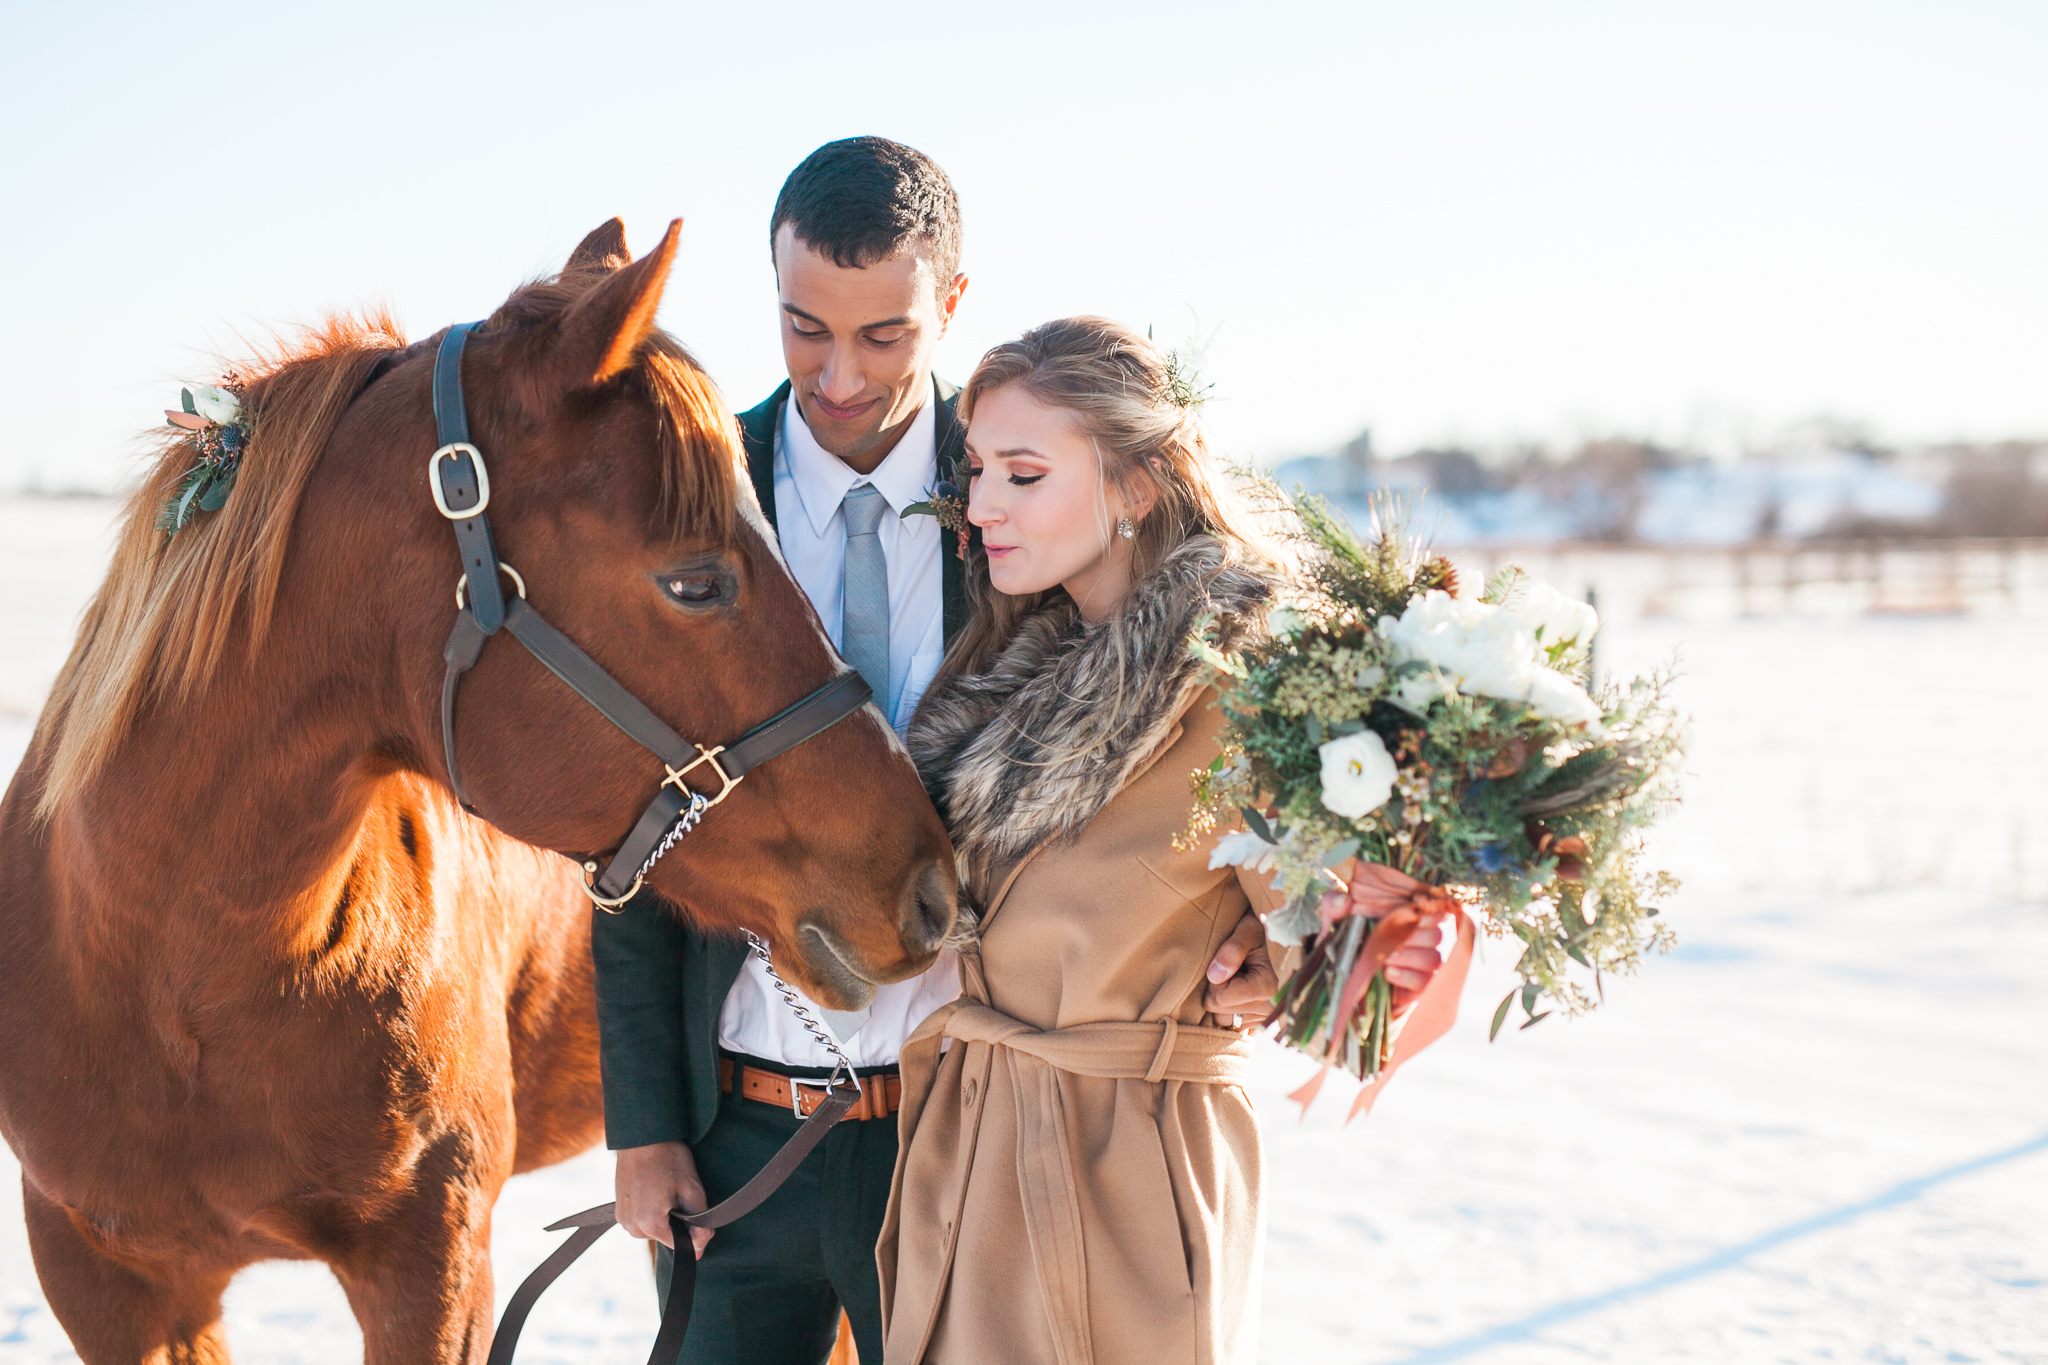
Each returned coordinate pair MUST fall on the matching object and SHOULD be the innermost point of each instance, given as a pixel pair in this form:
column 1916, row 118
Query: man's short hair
column 864, row 199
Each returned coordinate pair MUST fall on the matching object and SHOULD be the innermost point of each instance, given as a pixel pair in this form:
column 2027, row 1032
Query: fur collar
column 1033, row 746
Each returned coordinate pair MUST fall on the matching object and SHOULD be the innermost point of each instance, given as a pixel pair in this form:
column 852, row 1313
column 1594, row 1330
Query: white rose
column 1358, row 774
column 1550, row 617
column 1476, row 647
column 1243, row 849
column 217, row 405
column 1554, row 695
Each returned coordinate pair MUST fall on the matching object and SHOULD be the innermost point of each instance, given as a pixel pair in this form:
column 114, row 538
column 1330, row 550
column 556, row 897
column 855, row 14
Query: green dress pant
column 771, row 1285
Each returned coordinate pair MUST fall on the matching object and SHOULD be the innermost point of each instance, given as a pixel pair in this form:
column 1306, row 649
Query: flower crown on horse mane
column 219, row 429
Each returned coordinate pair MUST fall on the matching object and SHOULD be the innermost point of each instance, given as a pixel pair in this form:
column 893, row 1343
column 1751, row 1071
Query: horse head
column 618, row 497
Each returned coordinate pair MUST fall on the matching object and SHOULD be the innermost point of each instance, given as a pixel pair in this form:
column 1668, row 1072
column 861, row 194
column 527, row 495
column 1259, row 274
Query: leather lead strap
column 592, row 1224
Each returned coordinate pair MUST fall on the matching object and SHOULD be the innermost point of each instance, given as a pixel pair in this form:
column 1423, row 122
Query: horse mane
column 160, row 624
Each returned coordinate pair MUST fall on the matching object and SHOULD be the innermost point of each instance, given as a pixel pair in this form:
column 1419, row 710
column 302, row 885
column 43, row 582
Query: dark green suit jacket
column 661, row 984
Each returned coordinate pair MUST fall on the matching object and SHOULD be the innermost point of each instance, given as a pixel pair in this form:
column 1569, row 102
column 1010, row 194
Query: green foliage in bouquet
column 1454, row 741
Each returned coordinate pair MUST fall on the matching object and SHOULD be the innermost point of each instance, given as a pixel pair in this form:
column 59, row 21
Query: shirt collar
column 822, row 479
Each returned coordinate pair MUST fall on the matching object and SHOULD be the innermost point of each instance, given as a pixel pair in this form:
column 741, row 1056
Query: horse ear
column 597, row 337
column 604, row 249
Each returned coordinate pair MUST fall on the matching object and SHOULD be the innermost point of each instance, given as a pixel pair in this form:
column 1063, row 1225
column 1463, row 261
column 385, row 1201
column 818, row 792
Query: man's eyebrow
column 795, row 311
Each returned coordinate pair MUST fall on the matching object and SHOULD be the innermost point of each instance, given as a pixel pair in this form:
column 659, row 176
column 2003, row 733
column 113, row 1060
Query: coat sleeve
column 641, row 1045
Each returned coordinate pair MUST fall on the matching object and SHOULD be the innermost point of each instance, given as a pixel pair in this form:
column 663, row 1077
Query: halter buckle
column 483, row 480
column 704, row 755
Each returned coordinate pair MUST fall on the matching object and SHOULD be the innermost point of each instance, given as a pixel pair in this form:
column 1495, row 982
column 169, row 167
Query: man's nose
column 841, row 380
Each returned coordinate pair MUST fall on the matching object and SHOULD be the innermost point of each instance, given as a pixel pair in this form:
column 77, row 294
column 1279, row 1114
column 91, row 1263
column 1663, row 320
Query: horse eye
column 700, row 589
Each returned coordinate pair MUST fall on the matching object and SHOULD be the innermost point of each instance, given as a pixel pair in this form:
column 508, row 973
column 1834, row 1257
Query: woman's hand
column 652, row 1180
column 1242, row 981
column 1414, row 964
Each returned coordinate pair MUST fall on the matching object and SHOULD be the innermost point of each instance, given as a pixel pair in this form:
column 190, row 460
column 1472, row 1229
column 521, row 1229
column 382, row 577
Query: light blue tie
column 864, row 624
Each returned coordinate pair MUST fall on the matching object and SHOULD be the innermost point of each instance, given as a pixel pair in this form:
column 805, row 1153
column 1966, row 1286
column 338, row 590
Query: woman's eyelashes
column 1025, row 480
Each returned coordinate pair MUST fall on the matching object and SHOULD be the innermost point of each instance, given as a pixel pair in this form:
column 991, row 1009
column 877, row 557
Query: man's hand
column 654, row 1179
column 1242, row 981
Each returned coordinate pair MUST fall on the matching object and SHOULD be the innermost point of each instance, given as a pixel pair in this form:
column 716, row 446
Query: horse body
column 268, row 991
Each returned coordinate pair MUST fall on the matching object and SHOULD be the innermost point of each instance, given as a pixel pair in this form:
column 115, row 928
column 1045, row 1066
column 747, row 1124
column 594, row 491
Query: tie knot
column 863, row 506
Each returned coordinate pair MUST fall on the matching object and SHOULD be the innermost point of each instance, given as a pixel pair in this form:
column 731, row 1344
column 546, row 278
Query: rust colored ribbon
column 1400, row 904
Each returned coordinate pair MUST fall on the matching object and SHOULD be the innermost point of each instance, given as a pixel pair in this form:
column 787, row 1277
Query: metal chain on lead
column 683, row 825
column 812, row 1025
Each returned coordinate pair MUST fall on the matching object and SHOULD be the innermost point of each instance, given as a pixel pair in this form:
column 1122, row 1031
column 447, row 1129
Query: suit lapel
column 951, row 439
column 757, row 434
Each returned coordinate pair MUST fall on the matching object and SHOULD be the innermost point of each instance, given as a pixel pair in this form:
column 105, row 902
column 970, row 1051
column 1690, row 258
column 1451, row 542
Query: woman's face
column 1046, row 514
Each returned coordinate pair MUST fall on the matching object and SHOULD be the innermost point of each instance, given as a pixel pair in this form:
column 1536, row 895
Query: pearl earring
column 1124, row 528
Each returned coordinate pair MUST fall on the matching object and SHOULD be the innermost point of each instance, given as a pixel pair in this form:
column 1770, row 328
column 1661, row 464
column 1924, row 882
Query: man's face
column 859, row 343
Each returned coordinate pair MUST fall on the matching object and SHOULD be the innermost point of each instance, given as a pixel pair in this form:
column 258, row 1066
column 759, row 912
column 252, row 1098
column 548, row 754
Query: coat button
column 967, row 1091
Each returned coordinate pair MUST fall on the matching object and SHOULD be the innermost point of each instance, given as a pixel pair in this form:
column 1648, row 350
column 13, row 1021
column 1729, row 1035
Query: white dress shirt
column 810, row 483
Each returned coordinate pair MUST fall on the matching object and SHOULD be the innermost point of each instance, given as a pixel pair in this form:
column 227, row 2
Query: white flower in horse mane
column 1484, row 650
column 1552, row 618
column 1358, row 774
column 1242, row 848
column 217, row 405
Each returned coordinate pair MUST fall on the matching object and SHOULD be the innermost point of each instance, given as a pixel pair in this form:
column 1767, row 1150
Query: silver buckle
column 483, row 480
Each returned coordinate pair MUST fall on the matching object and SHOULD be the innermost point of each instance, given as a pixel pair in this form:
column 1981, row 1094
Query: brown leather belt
column 880, row 1096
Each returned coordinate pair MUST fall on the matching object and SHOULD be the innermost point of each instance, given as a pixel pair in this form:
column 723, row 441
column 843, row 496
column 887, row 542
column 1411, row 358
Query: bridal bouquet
column 1450, row 749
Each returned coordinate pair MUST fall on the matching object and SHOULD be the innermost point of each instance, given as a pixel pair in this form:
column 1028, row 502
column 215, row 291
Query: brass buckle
column 483, row 480
column 610, row 907
column 704, row 755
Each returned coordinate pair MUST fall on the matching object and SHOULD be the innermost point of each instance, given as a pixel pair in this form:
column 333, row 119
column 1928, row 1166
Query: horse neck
column 238, row 807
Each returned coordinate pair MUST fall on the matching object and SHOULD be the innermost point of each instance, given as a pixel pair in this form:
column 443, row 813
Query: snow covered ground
column 1817, row 1132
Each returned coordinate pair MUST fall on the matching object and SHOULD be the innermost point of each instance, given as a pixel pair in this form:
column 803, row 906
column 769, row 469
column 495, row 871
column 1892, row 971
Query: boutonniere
column 947, row 504
column 213, row 415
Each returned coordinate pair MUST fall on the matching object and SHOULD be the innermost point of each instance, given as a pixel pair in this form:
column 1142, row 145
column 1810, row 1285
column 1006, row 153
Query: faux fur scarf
column 1033, row 746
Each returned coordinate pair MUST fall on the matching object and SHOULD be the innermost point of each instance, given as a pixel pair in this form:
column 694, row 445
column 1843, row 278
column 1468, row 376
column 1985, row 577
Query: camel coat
column 1080, row 1173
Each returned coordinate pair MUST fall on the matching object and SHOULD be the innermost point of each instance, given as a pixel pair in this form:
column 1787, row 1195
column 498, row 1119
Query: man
column 701, row 1056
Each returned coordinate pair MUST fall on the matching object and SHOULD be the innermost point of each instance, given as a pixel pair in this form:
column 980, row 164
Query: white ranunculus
column 1358, row 774
column 217, row 405
column 1552, row 618
column 1243, row 848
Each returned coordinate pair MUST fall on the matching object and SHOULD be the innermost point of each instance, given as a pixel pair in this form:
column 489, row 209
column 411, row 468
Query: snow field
column 1760, row 1151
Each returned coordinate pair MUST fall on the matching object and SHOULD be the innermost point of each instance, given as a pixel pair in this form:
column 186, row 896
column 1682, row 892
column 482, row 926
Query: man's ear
column 603, row 250
column 950, row 300
column 597, row 337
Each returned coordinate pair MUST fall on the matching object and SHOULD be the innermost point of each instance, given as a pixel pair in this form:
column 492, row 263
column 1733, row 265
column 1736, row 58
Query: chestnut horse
column 266, row 990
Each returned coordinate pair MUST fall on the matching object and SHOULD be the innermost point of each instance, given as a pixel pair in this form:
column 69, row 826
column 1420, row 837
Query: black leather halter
column 462, row 492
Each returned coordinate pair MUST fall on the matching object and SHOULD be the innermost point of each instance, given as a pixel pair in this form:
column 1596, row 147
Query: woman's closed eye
column 1025, row 480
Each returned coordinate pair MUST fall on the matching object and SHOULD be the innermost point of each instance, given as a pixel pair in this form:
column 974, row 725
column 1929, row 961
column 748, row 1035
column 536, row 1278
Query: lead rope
column 592, row 1224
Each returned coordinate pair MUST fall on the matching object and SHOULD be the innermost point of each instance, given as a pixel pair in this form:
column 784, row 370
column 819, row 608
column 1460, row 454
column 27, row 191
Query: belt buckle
column 796, row 1098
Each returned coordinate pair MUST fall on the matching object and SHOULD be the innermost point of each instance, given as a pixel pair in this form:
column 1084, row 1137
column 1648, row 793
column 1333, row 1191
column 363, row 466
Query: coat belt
column 1046, row 1176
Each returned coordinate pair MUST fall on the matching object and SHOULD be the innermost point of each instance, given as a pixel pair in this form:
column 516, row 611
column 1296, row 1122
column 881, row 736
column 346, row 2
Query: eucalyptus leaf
column 1500, row 1016
column 920, row 509
column 1536, row 1019
column 1315, row 731
column 1530, row 990
column 185, row 397
column 184, row 512
column 1347, row 849
column 216, row 494
column 1256, row 823
column 1348, row 727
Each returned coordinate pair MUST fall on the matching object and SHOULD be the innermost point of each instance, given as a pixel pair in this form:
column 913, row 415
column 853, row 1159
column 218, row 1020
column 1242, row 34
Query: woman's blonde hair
column 1144, row 420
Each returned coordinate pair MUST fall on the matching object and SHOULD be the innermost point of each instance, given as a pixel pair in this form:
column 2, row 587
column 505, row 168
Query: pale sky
column 1456, row 220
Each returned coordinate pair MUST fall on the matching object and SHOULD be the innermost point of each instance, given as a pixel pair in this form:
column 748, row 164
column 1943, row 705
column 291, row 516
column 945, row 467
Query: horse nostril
column 931, row 912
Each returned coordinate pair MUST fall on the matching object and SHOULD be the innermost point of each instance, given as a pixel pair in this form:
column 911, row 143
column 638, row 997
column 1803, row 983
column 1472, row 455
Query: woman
column 1080, row 1171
